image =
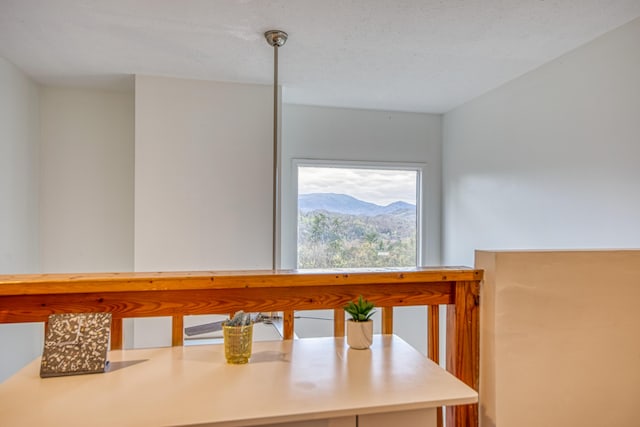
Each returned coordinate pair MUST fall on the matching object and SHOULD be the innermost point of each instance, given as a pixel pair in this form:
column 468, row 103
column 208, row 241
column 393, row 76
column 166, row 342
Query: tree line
column 332, row 240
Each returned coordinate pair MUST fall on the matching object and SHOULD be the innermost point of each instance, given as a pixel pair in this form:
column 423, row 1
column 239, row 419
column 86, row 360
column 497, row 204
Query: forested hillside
column 361, row 234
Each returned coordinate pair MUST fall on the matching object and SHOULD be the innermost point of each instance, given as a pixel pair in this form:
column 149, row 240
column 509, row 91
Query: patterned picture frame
column 76, row 343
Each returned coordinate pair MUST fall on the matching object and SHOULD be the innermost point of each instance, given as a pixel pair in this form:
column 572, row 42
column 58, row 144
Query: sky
column 379, row 186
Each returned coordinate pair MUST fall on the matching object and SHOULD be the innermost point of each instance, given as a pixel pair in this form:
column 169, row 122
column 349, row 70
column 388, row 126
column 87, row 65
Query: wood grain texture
column 30, row 284
column 338, row 322
column 387, row 320
column 463, row 348
column 288, row 325
column 433, row 344
column 177, row 330
column 117, row 334
column 33, row 308
column 433, row 333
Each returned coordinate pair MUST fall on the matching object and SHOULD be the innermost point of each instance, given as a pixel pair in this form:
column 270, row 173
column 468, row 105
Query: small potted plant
column 360, row 326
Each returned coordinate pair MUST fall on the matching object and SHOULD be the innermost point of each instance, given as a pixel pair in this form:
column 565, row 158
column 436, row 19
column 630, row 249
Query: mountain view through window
column 354, row 217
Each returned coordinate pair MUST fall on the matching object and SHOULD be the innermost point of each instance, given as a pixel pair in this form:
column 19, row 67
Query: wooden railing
column 31, row 298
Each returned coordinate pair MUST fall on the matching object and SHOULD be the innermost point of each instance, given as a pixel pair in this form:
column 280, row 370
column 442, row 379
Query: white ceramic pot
column 359, row 334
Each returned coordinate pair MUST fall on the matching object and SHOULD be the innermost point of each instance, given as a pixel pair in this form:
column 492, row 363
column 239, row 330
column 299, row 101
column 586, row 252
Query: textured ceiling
column 408, row 55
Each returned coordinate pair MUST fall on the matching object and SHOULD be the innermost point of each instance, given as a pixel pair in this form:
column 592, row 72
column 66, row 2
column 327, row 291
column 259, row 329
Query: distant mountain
column 344, row 204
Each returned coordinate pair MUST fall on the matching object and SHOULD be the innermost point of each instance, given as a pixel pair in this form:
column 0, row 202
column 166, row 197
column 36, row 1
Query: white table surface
column 285, row 381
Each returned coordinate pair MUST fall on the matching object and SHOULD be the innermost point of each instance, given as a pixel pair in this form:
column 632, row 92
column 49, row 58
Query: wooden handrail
column 31, row 298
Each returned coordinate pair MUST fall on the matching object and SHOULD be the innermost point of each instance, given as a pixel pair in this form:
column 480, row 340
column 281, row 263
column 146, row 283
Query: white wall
column 203, row 175
column 322, row 133
column 551, row 159
column 203, row 180
column 86, row 180
column 19, row 132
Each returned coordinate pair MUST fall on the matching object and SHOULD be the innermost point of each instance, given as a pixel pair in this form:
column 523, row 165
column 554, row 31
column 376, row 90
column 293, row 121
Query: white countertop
column 284, row 381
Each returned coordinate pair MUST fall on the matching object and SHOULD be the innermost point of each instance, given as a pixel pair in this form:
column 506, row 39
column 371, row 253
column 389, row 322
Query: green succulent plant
column 360, row 311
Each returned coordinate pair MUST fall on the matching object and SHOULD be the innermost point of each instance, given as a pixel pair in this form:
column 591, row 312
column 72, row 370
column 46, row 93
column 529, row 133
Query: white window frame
column 419, row 168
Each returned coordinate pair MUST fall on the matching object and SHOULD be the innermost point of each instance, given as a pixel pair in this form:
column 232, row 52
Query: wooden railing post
column 116, row 334
column 463, row 348
column 433, row 333
column 387, row 320
column 177, row 330
column 433, row 344
column 338, row 322
column 287, row 324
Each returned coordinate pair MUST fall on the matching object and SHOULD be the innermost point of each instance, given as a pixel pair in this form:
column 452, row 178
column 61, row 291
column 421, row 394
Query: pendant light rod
column 276, row 39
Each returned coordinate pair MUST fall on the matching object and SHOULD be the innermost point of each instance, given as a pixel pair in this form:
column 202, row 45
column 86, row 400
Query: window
column 353, row 215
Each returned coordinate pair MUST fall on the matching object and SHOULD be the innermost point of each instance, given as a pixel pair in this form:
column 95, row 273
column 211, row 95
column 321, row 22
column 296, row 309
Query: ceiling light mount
column 276, row 38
